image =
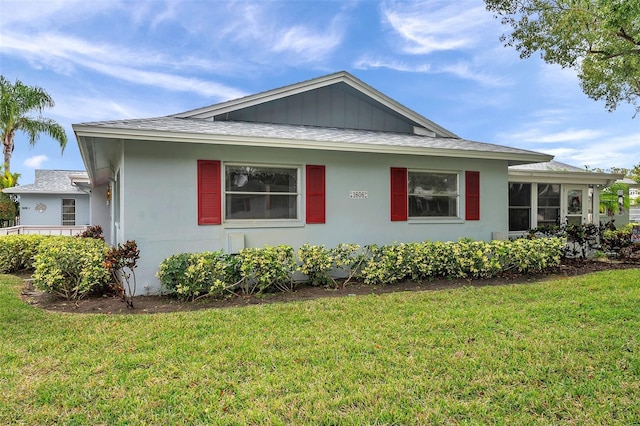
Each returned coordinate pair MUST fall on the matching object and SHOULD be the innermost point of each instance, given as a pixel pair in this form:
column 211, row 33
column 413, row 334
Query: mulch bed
column 160, row 304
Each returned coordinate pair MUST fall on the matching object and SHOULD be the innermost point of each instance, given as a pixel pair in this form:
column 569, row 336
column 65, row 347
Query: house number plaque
column 358, row 195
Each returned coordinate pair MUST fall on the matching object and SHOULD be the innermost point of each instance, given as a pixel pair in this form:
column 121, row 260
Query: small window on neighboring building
column 261, row 192
column 433, row 194
column 68, row 212
column 519, row 206
column 548, row 204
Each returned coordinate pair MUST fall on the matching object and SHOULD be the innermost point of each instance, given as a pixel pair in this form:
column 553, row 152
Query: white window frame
column 456, row 195
column 65, row 222
column 243, row 223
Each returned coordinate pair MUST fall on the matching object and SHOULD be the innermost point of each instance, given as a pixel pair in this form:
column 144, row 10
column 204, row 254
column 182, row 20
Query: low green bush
column 71, row 267
column 267, row 269
column 272, row 268
column 17, row 252
column 330, row 267
column 617, row 242
column 190, row 275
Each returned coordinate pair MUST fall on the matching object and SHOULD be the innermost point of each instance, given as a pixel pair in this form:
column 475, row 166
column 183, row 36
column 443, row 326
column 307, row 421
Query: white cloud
column 36, row 161
column 437, row 25
column 366, row 62
column 65, row 54
column 306, row 44
column 537, row 135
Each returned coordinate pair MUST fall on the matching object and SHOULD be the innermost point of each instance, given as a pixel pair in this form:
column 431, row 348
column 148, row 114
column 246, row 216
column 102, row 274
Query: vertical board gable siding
column 315, row 194
column 209, row 193
column 337, row 106
column 399, row 194
column 472, row 195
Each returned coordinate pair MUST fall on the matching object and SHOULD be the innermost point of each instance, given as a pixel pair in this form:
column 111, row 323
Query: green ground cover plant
column 563, row 351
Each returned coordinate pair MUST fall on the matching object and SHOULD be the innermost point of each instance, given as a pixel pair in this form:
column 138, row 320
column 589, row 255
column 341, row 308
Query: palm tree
column 16, row 102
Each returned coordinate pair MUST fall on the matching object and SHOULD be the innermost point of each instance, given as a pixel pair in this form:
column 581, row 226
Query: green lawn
column 565, row 351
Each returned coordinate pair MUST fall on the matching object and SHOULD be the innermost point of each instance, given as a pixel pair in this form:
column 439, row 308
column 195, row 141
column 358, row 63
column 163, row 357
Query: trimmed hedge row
column 73, row 267
column 17, row 252
column 259, row 270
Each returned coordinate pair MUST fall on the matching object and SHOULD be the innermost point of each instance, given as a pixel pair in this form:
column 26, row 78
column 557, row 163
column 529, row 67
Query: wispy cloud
column 367, row 62
column 66, row 54
column 307, row 44
column 36, row 161
column 537, row 135
column 436, row 25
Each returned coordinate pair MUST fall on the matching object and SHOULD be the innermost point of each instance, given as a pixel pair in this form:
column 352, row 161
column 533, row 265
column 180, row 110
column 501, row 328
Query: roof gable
column 337, row 100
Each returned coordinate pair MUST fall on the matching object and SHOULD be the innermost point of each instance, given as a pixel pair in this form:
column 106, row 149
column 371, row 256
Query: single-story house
column 56, row 198
column 324, row 161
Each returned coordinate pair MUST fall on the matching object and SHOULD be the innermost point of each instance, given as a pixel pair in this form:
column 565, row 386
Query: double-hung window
column 68, row 212
column 257, row 192
column 433, row 194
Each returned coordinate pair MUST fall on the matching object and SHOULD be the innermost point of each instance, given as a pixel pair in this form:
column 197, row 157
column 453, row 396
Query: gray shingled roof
column 192, row 126
column 551, row 166
column 51, row 182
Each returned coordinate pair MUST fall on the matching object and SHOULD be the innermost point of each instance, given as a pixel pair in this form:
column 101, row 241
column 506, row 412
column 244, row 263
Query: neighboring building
column 56, row 198
column 552, row 193
column 325, row 161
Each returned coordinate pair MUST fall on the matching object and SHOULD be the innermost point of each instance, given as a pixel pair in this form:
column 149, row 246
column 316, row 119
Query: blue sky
column 111, row 59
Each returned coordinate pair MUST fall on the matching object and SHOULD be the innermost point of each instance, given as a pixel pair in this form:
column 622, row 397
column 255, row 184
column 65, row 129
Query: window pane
column 433, row 194
column 548, row 204
column 433, row 206
column 68, row 212
column 240, row 206
column 260, row 179
column 421, row 183
column 520, row 194
column 519, row 219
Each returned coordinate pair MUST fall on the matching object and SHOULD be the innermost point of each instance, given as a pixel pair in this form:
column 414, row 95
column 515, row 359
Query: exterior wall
column 159, row 201
column 101, row 211
column 53, row 213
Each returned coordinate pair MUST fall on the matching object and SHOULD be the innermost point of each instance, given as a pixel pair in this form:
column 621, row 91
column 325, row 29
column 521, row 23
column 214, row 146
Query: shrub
column 92, row 232
column 17, row 252
column 121, row 262
column 267, row 269
column 349, row 259
column 387, row 264
column 71, row 267
column 190, row 275
column 617, row 242
column 529, row 255
column 316, row 262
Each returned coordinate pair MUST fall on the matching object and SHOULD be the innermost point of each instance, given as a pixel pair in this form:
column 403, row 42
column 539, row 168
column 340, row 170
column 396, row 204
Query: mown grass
column 565, row 351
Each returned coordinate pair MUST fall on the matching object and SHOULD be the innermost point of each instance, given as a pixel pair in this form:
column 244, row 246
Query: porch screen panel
column 519, row 206
column 209, row 193
column 399, row 191
column 315, row 194
column 548, row 204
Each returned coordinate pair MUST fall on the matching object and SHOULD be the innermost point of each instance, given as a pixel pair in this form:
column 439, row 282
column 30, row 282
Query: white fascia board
column 212, row 139
column 539, row 176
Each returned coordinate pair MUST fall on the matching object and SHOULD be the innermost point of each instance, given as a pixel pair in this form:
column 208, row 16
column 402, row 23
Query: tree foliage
column 17, row 102
column 598, row 38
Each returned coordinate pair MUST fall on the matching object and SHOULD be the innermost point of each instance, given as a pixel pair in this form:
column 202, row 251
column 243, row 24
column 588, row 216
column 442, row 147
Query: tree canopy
column 598, row 38
column 17, row 102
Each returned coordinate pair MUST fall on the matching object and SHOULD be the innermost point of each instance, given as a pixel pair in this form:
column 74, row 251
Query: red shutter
column 399, row 201
column 315, row 194
column 472, row 195
column 209, row 193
